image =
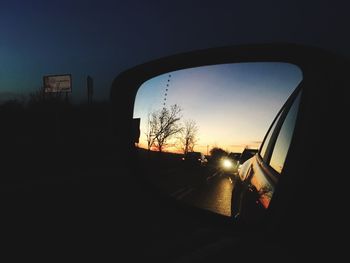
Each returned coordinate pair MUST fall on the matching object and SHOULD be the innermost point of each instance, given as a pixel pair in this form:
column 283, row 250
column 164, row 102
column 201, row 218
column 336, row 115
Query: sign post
column 90, row 89
column 56, row 84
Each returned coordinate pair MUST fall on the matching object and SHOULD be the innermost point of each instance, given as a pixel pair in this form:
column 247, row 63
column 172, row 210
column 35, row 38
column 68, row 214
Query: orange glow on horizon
column 205, row 149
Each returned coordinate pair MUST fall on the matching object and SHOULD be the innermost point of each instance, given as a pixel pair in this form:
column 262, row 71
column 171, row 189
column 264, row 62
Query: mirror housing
column 320, row 69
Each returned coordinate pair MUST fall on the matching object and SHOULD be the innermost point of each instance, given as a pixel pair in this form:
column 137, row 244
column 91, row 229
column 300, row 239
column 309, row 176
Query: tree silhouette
column 188, row 136
column 150, row 133
column 216, row 154
column 216, row 151
column 163, row 125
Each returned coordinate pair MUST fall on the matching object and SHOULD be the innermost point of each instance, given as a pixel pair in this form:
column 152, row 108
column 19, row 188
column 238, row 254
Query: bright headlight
column 227, row 164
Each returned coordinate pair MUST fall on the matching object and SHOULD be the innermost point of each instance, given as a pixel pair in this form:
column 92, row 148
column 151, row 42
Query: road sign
column 57, row 83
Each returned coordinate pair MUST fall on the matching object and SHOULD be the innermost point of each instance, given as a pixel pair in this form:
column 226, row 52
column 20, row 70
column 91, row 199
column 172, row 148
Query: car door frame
column 247, row 192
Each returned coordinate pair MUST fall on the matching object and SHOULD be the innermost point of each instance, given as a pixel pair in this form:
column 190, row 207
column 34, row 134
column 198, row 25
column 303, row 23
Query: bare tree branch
column 164, row 125
column 188, row 136
column 149, row 133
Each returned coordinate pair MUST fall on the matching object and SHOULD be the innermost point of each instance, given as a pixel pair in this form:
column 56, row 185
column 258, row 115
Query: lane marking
column 185, row 193
column 178, row 191
column 213, row 175
column 182, row 192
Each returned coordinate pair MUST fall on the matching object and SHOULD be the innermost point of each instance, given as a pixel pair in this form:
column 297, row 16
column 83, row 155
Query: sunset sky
column 233, row 105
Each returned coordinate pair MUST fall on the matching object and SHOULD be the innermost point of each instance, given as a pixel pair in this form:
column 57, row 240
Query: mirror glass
column 194, row 124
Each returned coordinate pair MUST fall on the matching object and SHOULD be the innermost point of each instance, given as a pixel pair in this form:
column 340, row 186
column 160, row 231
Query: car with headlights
column 194, row 159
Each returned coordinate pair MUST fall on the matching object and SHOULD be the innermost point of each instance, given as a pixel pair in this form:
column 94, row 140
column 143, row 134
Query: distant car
column 234, row 158
column 195, row 158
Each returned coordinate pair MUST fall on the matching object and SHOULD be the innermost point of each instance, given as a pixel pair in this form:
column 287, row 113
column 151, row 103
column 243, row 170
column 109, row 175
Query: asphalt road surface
column 203, row 187
column 215, row 195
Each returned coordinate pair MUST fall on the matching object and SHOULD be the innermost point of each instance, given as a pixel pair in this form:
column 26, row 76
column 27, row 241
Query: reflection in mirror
column 195, row 124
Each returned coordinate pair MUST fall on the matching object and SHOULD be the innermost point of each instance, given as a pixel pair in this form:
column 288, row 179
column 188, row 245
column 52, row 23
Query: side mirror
column 215, row 110
column 215, row 102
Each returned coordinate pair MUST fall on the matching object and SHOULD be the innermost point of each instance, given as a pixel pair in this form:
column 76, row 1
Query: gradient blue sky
column 232, row 104
column 103, row 38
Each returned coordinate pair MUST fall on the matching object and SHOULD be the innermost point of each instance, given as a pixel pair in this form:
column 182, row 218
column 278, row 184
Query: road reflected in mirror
column 197, row 126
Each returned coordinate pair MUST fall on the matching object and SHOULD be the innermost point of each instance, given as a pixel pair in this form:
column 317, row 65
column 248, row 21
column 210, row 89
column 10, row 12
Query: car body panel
column 258, row 180
column 262, row 182
column 255, row 191
column 243, row 169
